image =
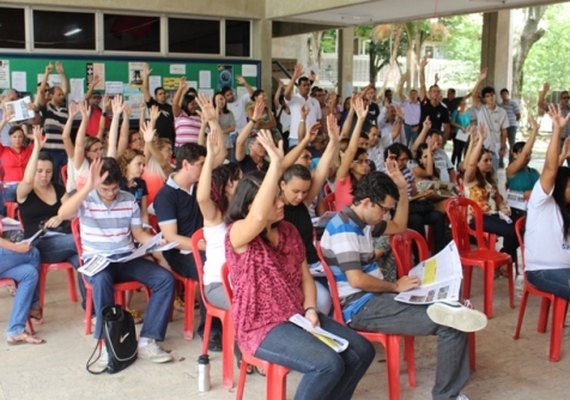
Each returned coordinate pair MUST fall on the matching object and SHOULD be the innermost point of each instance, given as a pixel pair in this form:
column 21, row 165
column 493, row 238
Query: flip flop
column 24, row 338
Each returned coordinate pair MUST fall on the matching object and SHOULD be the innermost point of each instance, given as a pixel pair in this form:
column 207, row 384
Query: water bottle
column 203, row 373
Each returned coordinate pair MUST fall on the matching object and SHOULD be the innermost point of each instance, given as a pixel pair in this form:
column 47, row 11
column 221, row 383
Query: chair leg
column 558, row 316
column 393, row 366
column 511, row 285
column 467, row 274
column 206, row 337
column 489, row 276
column 228, row 343
column 543, row 317
column 42, row 284
column 409, row 354
column 241, row 380
column 189, row 296
column 71, row 287
column 522, row 309
column 88, row 310
column 276, row 383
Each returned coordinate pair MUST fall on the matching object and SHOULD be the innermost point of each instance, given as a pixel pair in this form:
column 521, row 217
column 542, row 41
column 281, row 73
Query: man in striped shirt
column 110, row 224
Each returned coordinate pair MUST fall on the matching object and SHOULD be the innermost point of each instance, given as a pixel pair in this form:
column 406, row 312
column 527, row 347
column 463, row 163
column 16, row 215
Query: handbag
column 120, row 339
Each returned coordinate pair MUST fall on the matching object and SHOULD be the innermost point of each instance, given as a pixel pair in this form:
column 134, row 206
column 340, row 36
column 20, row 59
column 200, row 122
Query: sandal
column 249, row 370
column 260, row 371
column 24, row 338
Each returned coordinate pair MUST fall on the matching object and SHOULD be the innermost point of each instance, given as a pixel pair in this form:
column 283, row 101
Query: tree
column 531, row 34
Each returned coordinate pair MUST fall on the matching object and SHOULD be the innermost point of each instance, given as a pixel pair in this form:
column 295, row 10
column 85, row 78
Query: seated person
column 271, row 283
column 255, row 160
column 20, row 262
column 368, row 299
column 105, row 211
column 39, row 200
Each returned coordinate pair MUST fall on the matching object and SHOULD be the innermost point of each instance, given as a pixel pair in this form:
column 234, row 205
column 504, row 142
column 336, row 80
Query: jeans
column 511, row 139
column 327, row 374
column 384, row 314
column 157, row 279
column 59, row 248
column 493, row 224
column 24, row 269
column 556, row 281
column 417, row 222
column 457, row 153
column 10, row 192
column 411, row 136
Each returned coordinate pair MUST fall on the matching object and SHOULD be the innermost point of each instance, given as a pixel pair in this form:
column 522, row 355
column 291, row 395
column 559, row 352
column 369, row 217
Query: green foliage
column 328, row 42
column 549, row 58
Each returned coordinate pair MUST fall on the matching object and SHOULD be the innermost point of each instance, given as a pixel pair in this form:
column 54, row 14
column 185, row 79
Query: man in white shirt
column 297, row 101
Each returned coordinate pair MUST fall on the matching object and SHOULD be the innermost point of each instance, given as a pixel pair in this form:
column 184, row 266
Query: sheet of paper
column 76, row 89
column 19, row 109
column 205, row 79
column 4, row 74
column 114, row 87
column 53, row 79
column 135, row 73
column 178, row 69
column 209, row 93
column 19, row 81
column 249, row 70
column 154, row 81
column 192, row 84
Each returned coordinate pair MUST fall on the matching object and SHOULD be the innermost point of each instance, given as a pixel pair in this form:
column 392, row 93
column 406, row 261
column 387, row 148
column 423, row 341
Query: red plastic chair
column 120, row 288
column 7, row 282
column 63, row 172
column 11, row 209
column 213, row 311
column 189, row 296
column 329, row 202
column 276, row 375
column 483, row 256
column 560, row 305
column 390, row 342
column 402, row 247
column 59, row 266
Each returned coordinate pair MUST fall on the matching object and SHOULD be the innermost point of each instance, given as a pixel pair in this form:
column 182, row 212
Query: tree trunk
column 529, row 36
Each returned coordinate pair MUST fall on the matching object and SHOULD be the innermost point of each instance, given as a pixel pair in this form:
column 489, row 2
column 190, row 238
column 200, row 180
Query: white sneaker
column 457, row 316
column 103, row 361
column 461, row 396
column 154, row 353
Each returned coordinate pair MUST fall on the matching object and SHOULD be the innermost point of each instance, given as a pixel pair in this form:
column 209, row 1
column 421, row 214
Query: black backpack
column 120, row 339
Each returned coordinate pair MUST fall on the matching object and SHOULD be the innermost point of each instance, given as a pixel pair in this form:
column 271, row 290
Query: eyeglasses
column 384, row 208
column 565, row 97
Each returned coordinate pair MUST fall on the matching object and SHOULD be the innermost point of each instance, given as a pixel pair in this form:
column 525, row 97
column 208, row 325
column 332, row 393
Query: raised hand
column 394, row 172
column 483, row 74
column 148, row 131
column 49, row 68
column 37, row 133
column 534, row 125
column 59, row 68
column 146, row 70
column 73, row 110
column 545, row 87
column 95, row 81
column 423, row 62
column 154, row 113
column 95, row 178
column 214, row 143
column 127, row 111
column 359, row 108
column 258, row 108
column 8, row 114
column 314, row 131
column 182, row 84
column 297, row 72
column 333, row 129
column 84, row 109
column 106, row 101
column 240, row 79
column 427, row 123
column 265, row 138
column 208, row 112
column 117, row 105
column 558, row 119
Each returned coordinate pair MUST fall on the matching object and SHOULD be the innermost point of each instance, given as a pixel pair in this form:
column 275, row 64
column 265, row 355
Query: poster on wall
column 135, row 74
column 4, row 74
column 91, row 71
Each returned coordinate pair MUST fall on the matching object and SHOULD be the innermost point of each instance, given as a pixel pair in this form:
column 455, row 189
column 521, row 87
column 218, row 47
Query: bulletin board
column 123, row 75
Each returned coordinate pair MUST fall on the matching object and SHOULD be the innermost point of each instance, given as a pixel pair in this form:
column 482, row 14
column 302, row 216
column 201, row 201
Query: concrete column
column 261, row 50
column 345, row 60
column 496, row 49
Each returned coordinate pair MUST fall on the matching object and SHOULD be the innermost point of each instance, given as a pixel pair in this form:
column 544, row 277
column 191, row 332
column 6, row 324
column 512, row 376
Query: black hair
column 504, row 90
column 157, row 89
column 112, row 166
column 190, row 152
column 375, row 186
column 433, row 131
column 14, row 129
column 419, row 152
column 296, row 171
column 559, row 196
column 45, row 156
column 221, row 176
column 186, row 100
column 225, row 109
column 226, row 89
column 451, row 90
column 303, row 79
column 488, row 176
column 256, row 93
column 364, row 135
column 397, row 149
column 486, row 90
column 244, row 195
column 517, row 147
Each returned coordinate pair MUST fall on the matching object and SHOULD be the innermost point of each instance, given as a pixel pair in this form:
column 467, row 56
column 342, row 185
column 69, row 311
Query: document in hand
column 99, row 263
column 440, row 278
column 20, row 110
column 335, row 342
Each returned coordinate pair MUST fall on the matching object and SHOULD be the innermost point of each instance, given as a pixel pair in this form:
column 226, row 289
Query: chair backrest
column 197, row 237
column 337, row 308
column 329, row 202
column 459, row 211
column 226, row 282
column 403, row 245
column 76, row 232
column 64, row 175
column 519, row 230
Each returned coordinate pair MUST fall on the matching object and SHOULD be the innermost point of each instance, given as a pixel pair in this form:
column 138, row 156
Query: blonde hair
column 126, row 158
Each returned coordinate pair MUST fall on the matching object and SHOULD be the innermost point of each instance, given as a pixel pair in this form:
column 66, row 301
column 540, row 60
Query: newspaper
column 19, row 109
column 335, row 342
column 99, row 263
column 323, row 220
column 440, row 278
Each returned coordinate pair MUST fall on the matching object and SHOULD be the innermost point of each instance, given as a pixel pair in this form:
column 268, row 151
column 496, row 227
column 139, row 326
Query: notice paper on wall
column 19, row 81
column 249, row 70
column 178, row 69
column 205, row 79
column 4, row 74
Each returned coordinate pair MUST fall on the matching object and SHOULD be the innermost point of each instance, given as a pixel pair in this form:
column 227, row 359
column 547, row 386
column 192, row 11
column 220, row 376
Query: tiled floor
column 506, row 369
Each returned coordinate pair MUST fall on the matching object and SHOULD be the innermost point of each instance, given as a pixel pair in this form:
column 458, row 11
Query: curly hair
column 221, row 176
column 125, row 159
